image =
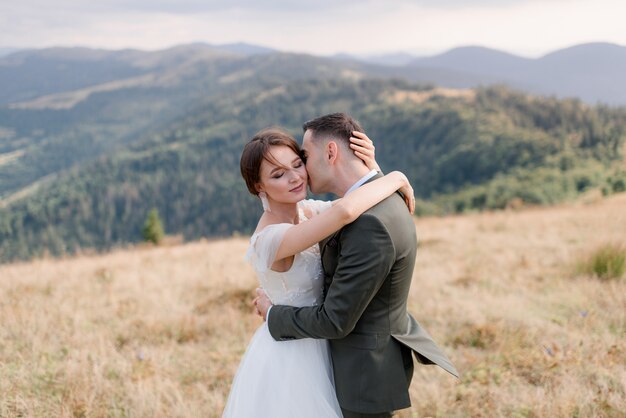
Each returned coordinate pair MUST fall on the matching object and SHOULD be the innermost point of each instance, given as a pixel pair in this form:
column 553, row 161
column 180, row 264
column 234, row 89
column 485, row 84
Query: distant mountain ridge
column 594, row 72
column 7, row 51
column 245, row 49
column 30, row 74
column 476, row 60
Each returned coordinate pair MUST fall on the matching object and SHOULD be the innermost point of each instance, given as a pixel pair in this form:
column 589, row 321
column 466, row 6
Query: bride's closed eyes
column 297, row 164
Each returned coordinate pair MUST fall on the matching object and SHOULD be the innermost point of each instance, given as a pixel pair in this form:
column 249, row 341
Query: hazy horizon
column 528, row 28
column 5, row 50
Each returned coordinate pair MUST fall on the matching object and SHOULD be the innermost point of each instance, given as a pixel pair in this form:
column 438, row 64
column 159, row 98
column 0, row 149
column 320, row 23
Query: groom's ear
column 331, row 151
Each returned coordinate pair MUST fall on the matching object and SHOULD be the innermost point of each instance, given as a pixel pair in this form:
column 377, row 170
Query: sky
column 529, row 28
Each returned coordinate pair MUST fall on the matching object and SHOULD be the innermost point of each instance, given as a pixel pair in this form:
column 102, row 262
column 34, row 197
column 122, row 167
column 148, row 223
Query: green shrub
column 153, row 228
column 607, row 262
column 619, row 186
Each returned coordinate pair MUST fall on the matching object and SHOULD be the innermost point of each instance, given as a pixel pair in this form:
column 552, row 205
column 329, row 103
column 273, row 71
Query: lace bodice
column 302, row 284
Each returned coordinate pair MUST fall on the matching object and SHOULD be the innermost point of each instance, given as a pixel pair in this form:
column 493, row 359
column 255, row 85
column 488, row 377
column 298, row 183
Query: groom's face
column 315, row 164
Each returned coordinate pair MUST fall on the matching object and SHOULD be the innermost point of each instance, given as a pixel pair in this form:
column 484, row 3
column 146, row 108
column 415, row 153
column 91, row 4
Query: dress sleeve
column 264, row 245
column 315, row 206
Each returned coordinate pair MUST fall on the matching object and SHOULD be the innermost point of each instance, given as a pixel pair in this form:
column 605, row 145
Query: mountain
column 462, row 150
column 593, row 72
column 477, row 60
column 35, row 73
column 82, row 103
column 78, row 104
column 245, row 49
column 87, row 153
column 39, row 73
column 68, row 106
column 7, row 51
column 395, row 60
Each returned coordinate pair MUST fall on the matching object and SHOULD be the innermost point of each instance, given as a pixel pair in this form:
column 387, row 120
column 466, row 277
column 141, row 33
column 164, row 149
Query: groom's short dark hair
column 335, row 125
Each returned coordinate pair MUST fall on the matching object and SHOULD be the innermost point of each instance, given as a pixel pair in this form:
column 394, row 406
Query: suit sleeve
column 365, row 259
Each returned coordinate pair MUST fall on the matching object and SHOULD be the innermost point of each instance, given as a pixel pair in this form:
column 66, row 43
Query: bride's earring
column 264, row 202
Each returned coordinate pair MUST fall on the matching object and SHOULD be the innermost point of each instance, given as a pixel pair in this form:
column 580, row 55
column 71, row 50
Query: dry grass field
column 158, row 332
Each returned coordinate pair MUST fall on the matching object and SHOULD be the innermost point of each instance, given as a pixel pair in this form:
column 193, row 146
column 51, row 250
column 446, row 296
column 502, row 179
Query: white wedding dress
column 285, row 379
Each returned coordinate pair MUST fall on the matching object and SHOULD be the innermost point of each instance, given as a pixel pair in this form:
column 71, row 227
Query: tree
column 153, row 228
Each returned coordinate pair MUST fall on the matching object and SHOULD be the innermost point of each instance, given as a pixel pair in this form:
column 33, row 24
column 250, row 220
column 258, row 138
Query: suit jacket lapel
column 323, row 244
column 332, row 242
column 328, row 267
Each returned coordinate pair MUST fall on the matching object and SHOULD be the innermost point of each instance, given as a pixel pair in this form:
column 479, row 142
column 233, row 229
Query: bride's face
column 284, row 177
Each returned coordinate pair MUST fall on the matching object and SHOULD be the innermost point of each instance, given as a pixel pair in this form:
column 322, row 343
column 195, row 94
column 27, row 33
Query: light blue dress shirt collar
column 361, row 181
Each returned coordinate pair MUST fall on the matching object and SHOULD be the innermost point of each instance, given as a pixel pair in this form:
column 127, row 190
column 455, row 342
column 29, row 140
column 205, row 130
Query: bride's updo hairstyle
column 259, row 149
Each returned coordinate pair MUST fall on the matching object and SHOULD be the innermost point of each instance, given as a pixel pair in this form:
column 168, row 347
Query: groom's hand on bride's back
column 262, row 303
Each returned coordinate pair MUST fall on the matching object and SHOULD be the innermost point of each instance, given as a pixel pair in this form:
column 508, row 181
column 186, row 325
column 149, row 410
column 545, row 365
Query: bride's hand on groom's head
column 363, row 148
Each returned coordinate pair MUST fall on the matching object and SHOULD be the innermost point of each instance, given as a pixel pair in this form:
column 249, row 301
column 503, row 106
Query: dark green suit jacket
column 368, row 266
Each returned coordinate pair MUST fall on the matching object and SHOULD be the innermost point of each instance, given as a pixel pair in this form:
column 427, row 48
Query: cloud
column 529, row 27
column 174, row 6
column 192, row 6
column 202, row 6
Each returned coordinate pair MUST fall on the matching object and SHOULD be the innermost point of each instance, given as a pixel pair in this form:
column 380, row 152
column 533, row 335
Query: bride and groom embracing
column 337, row 338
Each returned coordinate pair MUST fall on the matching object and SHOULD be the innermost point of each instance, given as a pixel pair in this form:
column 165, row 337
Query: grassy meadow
column 159, row 331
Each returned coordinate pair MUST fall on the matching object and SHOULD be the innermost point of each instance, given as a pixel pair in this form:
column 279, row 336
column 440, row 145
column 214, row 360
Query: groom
column 368, row 266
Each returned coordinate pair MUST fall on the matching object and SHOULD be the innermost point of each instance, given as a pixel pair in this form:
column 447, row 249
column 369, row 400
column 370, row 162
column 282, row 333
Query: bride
column 294, row 378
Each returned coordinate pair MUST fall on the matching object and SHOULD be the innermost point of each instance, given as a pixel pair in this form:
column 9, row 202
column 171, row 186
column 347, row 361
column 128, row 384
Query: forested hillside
column 462, row 150
column 91, row 116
